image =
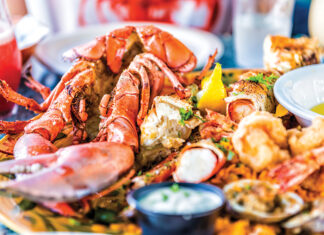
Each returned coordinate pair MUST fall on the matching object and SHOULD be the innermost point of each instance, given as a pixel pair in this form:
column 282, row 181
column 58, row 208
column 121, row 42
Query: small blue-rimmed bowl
column 300, row 90
column 175, row 224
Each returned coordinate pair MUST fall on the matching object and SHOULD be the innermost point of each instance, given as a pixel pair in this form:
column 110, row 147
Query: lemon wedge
column 281, row 111
column 213, row 92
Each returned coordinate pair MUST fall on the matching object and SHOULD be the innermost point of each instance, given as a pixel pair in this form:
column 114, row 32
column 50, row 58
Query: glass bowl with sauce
column 177, row 208
column 301, row 92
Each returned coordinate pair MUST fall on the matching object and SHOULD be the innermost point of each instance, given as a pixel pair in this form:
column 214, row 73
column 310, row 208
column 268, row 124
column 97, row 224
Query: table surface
column 50, row 79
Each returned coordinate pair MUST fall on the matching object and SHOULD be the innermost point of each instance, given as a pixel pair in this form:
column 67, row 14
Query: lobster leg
column 35, row 85
column 120, row 127
column 13, row 128
column 209, row 64
column 145, row 94
column 179, row 89
column 68, row 76
column 10, row 95
column 104, row 105
column 59, row 112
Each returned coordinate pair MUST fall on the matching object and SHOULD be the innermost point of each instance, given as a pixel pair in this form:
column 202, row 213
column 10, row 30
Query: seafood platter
column 132, row 116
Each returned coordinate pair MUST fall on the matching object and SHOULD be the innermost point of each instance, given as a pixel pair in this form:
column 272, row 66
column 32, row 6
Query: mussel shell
column 312, row 221
column 292, row 206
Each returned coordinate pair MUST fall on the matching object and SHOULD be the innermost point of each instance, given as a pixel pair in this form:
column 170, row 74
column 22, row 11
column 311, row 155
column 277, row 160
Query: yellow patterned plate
column 23, row 216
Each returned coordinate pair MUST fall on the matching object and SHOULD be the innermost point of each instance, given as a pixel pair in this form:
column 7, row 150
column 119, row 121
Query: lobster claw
column 71, row 173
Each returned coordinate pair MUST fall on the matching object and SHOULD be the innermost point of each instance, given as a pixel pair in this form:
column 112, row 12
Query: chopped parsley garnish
column 139, row 173
column 229, row 153
column 224, row 139
column 165, row 197
column 175, row 187
column 221, row 147
column 237, row 93
column 187, row 114
column 268, row 81
column 186, row 194
column 194, row 101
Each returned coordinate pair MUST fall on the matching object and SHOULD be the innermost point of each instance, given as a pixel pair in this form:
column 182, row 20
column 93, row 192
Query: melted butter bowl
column 300, row 90
column 177, row 219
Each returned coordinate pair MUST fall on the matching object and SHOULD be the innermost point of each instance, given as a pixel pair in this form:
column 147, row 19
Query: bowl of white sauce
column 177, row 208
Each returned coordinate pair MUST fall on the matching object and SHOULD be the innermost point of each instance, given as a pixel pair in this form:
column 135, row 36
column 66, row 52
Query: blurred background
column 241, row 24
column 211, row 15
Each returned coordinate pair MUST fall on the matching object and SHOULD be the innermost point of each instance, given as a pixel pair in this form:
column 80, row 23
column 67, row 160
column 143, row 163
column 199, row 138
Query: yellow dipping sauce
column 318, row 109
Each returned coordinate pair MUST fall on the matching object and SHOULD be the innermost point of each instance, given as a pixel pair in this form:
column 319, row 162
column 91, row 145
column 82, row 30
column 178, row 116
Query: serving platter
column 49, row 51
column 22, row 215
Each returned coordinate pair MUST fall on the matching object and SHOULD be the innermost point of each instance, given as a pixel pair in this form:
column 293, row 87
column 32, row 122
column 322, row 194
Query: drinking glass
column 253, row 21
column 316, row 20
column 10, row 57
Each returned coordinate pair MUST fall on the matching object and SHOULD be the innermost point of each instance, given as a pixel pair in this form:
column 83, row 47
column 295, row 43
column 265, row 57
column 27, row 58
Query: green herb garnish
column 186, row 194
column 139, row 173
column 194, row 101
column 224, row 139
column 175, row 187
column 185, row 115
column 237, row 93
column 227, row 152
column 165, row 197
column 221, row 147
column 268, row 81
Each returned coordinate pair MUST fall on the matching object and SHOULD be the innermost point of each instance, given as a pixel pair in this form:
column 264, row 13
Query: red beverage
column 10, row 64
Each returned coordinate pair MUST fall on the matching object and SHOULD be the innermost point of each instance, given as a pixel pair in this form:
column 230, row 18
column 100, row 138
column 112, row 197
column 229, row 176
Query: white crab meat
column 162, row 129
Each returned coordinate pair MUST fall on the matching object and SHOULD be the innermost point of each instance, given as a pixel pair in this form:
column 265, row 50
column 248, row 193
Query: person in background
column 62, row 15
column 17, row 9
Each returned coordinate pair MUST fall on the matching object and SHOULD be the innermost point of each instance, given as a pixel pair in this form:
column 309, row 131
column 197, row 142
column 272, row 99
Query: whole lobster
column 73, row 172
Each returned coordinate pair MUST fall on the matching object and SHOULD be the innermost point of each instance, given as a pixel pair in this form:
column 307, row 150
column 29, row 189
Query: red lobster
column 71, row 173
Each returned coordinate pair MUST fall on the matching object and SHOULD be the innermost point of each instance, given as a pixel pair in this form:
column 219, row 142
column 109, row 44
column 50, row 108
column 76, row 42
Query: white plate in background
column 49, row 51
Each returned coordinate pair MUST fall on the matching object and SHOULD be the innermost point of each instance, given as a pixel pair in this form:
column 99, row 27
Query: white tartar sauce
column 180, row 200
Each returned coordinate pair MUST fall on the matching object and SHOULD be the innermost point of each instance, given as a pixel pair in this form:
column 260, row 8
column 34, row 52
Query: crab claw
column 71, row 173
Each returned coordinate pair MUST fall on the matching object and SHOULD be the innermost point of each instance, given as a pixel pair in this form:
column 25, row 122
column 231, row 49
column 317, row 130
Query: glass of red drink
column 10, row 57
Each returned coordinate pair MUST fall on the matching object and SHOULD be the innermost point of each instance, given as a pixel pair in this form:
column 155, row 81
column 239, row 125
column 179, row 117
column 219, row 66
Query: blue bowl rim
column 284, row 99
column 131, row 198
